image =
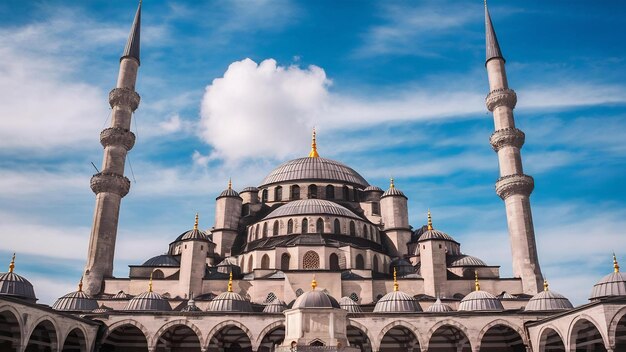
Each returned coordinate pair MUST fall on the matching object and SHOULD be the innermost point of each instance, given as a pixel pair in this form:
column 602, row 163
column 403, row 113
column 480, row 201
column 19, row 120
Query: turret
column 227, row 215
column 395, row 217
column 432, row 248
column 193, row 259
column 110, row 185
column 513, row 186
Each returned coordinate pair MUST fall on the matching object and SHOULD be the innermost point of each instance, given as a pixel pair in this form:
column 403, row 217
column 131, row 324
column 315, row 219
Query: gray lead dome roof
column 311, row 206
column 77, row 301
column 548, row 300
column 315, row 299
column 314, row 169
column 480, row 301
column 148, row 301
column 613, row 284
column 229, row 302
column 15, row 285
column 397, row 302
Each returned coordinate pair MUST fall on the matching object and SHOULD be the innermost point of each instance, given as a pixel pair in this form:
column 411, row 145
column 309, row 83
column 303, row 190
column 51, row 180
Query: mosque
column 313, row 258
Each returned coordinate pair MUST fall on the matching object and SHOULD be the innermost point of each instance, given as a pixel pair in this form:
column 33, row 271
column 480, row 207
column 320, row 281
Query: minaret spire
column 513, row 186
column 110, row 185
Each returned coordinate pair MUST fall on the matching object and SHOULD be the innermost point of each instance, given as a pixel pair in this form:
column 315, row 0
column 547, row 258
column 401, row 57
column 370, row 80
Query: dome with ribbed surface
column 613, row 284
column 311, row 206
column 346, row 303
column 314, row 169
column 548, row 300
column 148, row 301
column 229, row 192
column 162, row 260
column 439, row 307
column 12, row 284
column 275, row 306
column 373, row 189
column 194, row 234
column 229, row 302
column 249, row 189
column 393, row 192
column 435, row 235
column 315, row 299
column 121, row 295
column 480, row 301
column 191, row 306
column 465, row 260
column 397, row 302
column 77, row 301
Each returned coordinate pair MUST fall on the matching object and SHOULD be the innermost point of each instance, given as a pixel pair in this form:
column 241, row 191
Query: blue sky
column 233, row 88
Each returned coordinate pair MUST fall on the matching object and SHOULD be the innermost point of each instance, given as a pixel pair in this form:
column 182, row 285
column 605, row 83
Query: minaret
column 109, row 184
column 513, row 186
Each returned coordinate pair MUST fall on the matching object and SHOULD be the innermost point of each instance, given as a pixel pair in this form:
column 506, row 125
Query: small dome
column 439, row 307
column 229, row 192
column 480, row 301
column 102, row 309
column 121, row 295
column 373, row 189
column 229, row 302
column 393, row 191
column 346, row 303
column 404, row 268
column 162, row 260
column 613, row 284
column 548, row 300
column 312, row 169
column 275, row 306
column 194, row 234
column 315, row 299
column 311, row 206
column 435, row 235
column 465, row 260
column 77, row 301
column 15, row 285
column 148, row 301
column 506, row 295
column 249, row 189
column 397, row 302
column 191, row 306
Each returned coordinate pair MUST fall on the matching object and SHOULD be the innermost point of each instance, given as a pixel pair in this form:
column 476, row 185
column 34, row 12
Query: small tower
column 193, row 259
column 433, row 261
column 227, row 215
column 110, row 185
column 513, row 186
column 395, row 216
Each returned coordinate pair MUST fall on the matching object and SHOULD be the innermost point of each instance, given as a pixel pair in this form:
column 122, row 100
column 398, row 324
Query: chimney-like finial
column 150, row 282
column 491, row 41
column 430, row 221
column 545, row 284
column 132, row 45
column 195, row 224
column 230, row 282
column 313, row 283
column 313, row 153
column 395, row 279
column 12, row 264
column 615, row 264
column 476, row 283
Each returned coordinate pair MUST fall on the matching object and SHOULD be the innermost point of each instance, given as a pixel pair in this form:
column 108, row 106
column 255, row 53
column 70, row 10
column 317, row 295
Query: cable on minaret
column 130, row 165
column 94, row 166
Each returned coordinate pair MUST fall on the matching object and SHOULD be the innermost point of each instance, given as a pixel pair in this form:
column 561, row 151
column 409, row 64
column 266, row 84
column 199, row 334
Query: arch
column 330, row 192
column 289, row 227
column 270, row 337
column 250, row 264
column 501, row 335
column 333, row 262
column 265, row 229
column 403, row 327
column 285, row 258
column 365, row 232
column 10, row 329
column 584, row 334
column 312, row 194
column 126, row 335
column 336, row 227
column 352, row 228
column 278, row 193
column 448, row 335
column 346, row 193
column 229, row 343
column 177, row 335
column 158, row 274
column 294, row 192
column 358, row 340
column 375, row 264
column 551, row 340
column 43, row 337
column 256, row 232
column 264, row 196
column 275, row 228
column 617, row 330
column 305, row 226
column 311, row 260
column 319, row 225
column 359, row 262
column 265, row 261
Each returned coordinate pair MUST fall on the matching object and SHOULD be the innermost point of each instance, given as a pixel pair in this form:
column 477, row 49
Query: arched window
column 312, row 192
column 158, row 274
column 265, row 261
column 256, row 232
column 319, row 226
column 375, row 264
column 360, row 263
column 352, row 229
column 284, row 261
column 365, row 234
column 330, row 192
column 355, row 194
column 337, row 227
column 278, row 194
column 264, row 196
column 333, row 262
column 275, row 228
column 346, row 193
column 250, row 264
column 305, row 225
column 289, row 227
column 270, row 297
column 264, row 229
column 375, row 208
column 311, row 260
column 295, row 192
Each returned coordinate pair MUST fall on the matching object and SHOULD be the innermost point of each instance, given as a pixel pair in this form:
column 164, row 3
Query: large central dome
column 314, row 169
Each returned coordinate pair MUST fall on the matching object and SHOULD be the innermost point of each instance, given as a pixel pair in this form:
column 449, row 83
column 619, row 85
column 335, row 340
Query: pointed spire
column 132, row 45
column 476, row 283
column 430, row 221
column 230, row 183
column 493, row 48
column 313, row 284
column 150, row 282
column 80, row 285
column 12, row 264
column 313, row 153
column 195, row 224
column 545, row 284
column 395, row 279
column 230, row 282
column 391, row 184
column 615, row 264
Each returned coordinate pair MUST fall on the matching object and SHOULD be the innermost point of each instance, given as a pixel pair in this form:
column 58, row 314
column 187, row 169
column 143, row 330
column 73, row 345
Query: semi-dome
column 275, row 306
column 314, row 169
column 397, row 301
column 465, row 260
column 12, row 284
column 229, row 301
column 480, row 300
column 613, row 284
column 77, row 301
column 148, row 301
column 348, row 304
column 548, row 300
column 439, row 307
column 311, row 206
column 162, row 260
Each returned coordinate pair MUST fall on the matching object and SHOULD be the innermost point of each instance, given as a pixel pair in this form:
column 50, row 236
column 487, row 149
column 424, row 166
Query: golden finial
column 476, row 283
column 195, row 224
column 391, row 185
column 12, row 264
column 313, row 153
column 150, row 282
column 395, row 279
column 80, row 285
column 615, row 265
column 230, row 183
column 230, row 282
column 545, row 284
column 430, row 221
column 313, row 283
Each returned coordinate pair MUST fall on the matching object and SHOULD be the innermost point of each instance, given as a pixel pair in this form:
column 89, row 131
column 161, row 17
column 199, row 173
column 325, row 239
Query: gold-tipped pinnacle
column 12, row 264
column 313, row 153
column 476, row 283
column 313, row 283
column 230, row 282
column 195, row 224
column 395, row 280
column 430, row 221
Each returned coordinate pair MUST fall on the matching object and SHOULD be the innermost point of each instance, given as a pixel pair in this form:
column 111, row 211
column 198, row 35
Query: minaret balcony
column 507, row 137
column 111, row 183
column 501, row 97
column 514, row 184
column 124, row 97
column 117, row 136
